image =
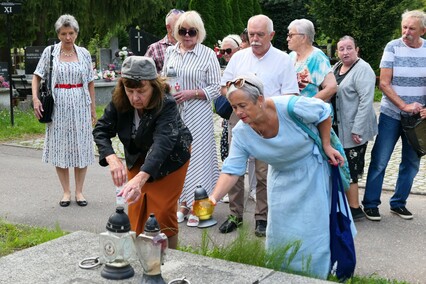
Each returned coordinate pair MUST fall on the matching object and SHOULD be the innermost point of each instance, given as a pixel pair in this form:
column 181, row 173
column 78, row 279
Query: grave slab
column 57, row 262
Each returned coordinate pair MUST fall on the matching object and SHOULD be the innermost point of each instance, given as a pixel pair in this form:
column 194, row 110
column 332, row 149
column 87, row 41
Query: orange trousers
column 159, row 197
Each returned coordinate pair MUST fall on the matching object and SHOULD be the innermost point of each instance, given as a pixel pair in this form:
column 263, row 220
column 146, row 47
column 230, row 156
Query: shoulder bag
column 222, row 107
column 334, row 141
column 342, row 246
column 415, row 130
column 45, row 94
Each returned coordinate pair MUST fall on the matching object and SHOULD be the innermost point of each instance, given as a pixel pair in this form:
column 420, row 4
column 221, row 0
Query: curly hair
column 122, row 103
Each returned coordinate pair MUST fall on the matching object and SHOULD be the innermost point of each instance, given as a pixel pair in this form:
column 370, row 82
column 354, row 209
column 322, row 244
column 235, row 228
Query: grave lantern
column 117, row 247
column 203, row 208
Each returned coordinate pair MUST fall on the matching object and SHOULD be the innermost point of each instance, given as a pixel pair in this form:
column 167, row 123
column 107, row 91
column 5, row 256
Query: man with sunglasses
column 278, row 76
column 157, row 49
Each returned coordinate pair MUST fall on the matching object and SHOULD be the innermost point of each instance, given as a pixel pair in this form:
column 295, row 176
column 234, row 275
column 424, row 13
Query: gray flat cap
column 139, row 68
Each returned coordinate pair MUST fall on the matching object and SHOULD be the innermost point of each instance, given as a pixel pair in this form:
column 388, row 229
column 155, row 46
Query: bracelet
column 196, row 94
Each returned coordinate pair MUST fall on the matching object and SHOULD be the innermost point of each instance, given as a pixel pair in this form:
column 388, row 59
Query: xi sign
column 10, row 8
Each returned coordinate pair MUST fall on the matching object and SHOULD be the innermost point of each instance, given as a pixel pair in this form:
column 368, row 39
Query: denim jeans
column 389, row 132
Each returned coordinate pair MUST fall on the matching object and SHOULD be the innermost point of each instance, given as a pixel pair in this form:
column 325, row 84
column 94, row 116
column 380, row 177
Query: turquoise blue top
column 311, row 73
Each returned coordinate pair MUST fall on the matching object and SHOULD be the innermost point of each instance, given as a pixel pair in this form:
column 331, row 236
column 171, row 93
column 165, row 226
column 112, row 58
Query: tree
column 206, row 10
column 35, row 24
column 239, row 24
column 182, row 4
column 293, row 10
column 372, row 23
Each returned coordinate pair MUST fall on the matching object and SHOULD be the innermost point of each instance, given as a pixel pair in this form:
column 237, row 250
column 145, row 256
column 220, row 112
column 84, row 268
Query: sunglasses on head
column 175, row 11
column 223, row 51
column 191, row 32
column 239, row 83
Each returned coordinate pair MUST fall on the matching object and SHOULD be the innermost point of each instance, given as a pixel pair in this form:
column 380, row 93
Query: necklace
column 259, row 132
column 67, row 54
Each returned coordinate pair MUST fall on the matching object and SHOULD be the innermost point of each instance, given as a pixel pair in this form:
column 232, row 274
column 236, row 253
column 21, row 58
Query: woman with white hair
column 230, row 44
column 68, row 142
column 313, row 68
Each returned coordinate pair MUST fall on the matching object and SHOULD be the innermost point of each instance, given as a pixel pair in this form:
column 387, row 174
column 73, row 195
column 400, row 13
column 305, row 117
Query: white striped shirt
column 409, row 74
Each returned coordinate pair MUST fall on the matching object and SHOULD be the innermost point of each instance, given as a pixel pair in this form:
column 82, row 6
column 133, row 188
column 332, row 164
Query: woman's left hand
column 131, row 190
column 180, row 97
column 334, row 156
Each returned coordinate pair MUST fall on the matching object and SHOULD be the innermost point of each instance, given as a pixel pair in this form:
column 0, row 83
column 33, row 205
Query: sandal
column 182, row 216
column 193, row 220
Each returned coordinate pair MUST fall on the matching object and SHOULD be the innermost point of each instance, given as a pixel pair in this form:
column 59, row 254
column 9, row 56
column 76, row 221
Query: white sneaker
column 225, row 199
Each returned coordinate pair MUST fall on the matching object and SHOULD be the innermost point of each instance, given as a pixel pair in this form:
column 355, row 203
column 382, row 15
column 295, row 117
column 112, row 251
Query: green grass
column 25, row 124
column 245, row 249
column 248, row 249
column 15, row 237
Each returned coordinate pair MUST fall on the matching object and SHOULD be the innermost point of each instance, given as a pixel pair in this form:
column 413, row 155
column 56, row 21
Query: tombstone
column 105, row 58
column 140, row 40
column 113, row 44
column 4, row 70
column 32, row 56
column 52, row 41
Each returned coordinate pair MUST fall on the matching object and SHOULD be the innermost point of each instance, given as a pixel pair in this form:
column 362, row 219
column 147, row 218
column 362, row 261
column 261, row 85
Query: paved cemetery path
column 30, row 192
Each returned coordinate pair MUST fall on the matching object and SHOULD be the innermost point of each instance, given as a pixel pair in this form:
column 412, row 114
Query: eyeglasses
column 223, row 51
column 191, row 32
column 175, row 11
column 239, row 83
column 289, row 35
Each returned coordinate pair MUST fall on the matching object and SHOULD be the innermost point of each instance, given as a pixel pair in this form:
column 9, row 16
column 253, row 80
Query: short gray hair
column 173, row 14
column 347, row 37
column 252, row 88
column 66, row 21
column 304, row 26
column 251, row 92
column 269, row 22
column 420, row 15
column 235, row 40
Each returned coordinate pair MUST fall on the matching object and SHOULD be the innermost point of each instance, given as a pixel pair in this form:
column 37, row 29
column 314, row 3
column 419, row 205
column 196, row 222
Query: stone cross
column 138, row 37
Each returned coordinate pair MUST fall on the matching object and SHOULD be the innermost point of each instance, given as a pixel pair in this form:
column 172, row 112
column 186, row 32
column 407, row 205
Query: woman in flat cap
column 156, row 145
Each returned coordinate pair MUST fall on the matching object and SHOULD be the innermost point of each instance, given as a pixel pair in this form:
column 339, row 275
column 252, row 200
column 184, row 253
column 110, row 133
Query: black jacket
column 162, row 139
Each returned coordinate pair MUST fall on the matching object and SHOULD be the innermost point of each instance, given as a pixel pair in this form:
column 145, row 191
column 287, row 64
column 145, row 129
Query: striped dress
column 198, row 69
column 69, row 141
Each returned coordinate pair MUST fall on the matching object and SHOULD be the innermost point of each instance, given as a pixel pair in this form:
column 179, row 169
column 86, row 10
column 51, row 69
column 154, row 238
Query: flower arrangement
column 108, row 75
column 111, row 67
column 216, row 49
column 123, row 53
column 3, row 83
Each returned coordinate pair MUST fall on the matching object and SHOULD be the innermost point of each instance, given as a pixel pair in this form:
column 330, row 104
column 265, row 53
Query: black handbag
column 415, row 130
column 45, row 95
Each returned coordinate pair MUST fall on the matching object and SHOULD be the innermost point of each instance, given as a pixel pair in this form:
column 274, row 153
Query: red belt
column 68, row 86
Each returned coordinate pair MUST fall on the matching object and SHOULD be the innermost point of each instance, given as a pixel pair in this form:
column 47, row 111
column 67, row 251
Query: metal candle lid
column 118, row 222
column 151, row 224
column 200, row 193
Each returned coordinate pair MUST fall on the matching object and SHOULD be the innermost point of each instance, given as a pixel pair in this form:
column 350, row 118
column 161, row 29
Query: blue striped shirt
column 409, row 74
